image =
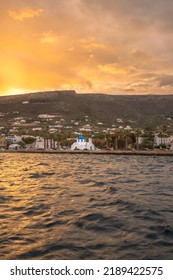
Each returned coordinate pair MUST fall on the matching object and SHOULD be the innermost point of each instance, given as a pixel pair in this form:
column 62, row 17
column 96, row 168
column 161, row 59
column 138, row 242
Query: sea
column 86, row 207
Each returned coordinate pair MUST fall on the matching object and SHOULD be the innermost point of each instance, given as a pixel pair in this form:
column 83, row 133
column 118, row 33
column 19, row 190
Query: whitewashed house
column 14, row 139
column 140, row 139
column 171, row 143
column 161, row 140
column 25, row 102
column 39, row 143
column 82, row 144
column 42, row 144
column 167, row 141
column 14, row 147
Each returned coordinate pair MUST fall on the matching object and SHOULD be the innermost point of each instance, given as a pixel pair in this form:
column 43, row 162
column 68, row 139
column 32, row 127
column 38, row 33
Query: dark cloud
column 165, row 80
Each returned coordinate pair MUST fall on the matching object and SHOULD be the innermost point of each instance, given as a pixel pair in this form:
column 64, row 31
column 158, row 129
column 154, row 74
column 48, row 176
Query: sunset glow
column 113, row 46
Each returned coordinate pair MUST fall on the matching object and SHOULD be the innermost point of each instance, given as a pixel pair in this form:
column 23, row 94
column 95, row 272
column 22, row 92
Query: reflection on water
column 85, row 207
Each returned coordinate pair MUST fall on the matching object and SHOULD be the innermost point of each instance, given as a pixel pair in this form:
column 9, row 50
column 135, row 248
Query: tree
column 99, row 142
column 138, row 133
column 28, row 140
column 148, row 138
column 21, row 143
column 162, row 133
column 115, row 138
column 126, row 137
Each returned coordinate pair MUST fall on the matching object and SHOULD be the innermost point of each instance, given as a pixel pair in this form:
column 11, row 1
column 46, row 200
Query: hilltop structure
column 82, row 144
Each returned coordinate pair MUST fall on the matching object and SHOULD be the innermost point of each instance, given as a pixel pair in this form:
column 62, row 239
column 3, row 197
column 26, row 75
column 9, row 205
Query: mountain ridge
column 103, row 107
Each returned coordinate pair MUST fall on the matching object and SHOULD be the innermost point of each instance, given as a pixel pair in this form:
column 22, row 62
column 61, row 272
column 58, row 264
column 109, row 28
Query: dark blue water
column 85, row 207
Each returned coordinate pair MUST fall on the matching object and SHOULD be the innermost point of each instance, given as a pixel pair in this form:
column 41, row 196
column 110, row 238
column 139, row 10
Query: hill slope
column 97, row 106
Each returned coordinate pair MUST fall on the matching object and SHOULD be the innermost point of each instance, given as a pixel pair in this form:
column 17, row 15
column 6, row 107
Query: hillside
column 102, row 107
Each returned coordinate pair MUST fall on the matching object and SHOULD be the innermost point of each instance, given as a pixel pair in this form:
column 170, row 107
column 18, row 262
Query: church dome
column 81, row 138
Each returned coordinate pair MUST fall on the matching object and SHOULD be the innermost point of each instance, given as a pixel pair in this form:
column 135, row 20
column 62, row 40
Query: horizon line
column 26, row 92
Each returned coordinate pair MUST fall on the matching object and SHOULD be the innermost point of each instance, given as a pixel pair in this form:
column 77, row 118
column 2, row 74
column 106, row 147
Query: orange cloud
column 99, row 46
column 24, row 13
column 112, row 69
column 48, row 37
column 91, row 43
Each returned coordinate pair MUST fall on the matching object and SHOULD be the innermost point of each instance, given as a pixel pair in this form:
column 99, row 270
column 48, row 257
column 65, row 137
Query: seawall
column 99, row 152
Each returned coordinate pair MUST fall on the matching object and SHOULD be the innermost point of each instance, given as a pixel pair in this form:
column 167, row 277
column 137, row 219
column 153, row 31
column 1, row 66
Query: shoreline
column 96, row 152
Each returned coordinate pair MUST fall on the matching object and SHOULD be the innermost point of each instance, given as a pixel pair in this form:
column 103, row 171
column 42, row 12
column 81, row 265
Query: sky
column 108, row 46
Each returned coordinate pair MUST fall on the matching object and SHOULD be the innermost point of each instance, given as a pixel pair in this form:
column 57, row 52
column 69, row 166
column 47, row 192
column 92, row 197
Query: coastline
column 97, row 152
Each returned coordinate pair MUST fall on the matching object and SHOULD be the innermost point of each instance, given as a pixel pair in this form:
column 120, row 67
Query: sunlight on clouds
column 91, row 46
column 24, row 13
column 112, row 69
column 14, row 91
column 48, row 37
column 12, row 71
column 71, row 49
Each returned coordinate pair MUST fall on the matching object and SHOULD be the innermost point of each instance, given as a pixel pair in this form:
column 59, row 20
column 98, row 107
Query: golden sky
column 109, row 46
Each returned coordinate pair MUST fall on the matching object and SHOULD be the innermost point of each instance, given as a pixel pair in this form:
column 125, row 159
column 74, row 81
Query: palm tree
column 114, row 140
column 121, row 139
column 149, row 138
column 163, row 133
column 58, row 137
column 126, row 138
column 138, row 133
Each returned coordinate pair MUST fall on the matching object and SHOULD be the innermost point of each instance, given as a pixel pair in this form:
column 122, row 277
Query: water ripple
column 85, row 207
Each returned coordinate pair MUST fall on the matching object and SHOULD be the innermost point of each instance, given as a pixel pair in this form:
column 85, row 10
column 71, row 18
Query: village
column 52, row 132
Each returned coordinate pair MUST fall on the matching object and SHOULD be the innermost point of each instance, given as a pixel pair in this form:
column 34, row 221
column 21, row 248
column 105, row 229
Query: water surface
column 85, row 207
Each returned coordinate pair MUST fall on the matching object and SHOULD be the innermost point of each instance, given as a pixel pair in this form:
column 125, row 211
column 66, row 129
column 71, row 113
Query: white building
column 140, row 139
column 39, row 143
column 82, row 144
column 13, row 147
column 167, row 141
column 14, row 139
column 25, row 102
column 128, row 127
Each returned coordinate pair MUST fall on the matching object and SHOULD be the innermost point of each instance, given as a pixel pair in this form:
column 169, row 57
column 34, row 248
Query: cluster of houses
column 167, row 141
column 39, row 143
column 160, row 141
column 15, row 142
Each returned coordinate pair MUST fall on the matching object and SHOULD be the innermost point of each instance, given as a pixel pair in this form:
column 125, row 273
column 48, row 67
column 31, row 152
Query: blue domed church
column 82, row 144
